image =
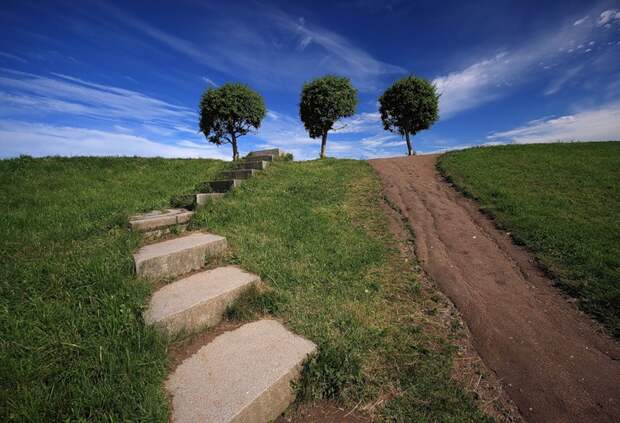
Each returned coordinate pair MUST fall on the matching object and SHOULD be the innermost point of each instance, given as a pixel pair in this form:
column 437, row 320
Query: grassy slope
column 316, row 234
column 71, row 342
column 563, row 202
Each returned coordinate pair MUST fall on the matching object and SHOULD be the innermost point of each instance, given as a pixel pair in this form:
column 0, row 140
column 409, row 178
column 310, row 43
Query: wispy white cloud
column 209, row 81
column 580, row 21
column 272, row 46
column 173, row 42
column 557, row 84
column 474, row 85
column 40, row 139
column 595, row 124
column 361, row 122
column 382, row 141
column 608, row 17
column 12, row 57
column 304, row 42
column 26, row 92
column 342, row 55
column 495, row 76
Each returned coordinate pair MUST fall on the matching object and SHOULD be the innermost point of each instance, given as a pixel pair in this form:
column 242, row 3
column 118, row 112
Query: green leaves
column 324, row 101
column 230, row 111
column 409, row 106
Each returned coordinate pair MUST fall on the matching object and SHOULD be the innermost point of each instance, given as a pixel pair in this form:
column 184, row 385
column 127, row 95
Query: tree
column 409, row 106
column 323, row 102
column 228, row 112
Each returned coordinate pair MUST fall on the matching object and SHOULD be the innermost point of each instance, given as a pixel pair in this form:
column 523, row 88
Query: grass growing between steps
column 316, row 234
column 563, row 202
column 72, row 345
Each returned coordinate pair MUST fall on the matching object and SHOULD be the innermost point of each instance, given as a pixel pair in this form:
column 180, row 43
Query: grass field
column 73, row 343
column 563, row 202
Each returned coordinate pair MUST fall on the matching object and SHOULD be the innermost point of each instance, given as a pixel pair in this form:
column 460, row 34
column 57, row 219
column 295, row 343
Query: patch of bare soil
column 552, row 360
column 468, row 368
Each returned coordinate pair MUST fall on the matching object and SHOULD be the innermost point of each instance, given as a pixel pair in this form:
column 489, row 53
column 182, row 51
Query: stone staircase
column 243, row 375
column 226, row 181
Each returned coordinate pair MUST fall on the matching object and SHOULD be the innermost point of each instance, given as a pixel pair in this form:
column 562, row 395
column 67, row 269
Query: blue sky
column 125, row 78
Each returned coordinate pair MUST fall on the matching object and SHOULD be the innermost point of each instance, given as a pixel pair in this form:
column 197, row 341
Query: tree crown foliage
column 230, row 111
column 410, row 105
column 324, row 101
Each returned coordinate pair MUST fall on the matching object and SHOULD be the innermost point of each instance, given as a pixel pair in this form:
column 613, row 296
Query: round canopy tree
column 323, row 102
column 410, row 105
column 228, row 112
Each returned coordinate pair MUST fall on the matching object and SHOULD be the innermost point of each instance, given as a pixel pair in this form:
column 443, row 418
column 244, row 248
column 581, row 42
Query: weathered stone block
column 274, row 152
column 197, row 300
column 177, row 256
column 159, row 219
column 241, row 376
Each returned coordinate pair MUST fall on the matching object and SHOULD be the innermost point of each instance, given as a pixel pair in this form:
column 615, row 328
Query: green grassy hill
column 563, row 202
column 73, row 345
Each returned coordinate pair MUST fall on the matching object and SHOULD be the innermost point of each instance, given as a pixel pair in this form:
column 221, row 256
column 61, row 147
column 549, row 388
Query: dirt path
column 553, row 363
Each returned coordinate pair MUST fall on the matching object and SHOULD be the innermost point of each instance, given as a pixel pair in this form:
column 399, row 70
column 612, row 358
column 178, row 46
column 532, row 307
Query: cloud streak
column 342, row 54
column 495, row 76
column 596, row 124
column 264, row 49
column 39, row 139
column 61, row 94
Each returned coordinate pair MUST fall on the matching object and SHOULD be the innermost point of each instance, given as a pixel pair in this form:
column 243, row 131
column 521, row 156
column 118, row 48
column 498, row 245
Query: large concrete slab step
column 274, row 152
column 239, row 173
column 159, row 219
column 177, row 256
column 241, row 376
column 221, row 186
column 198, row 300
column 265, row 158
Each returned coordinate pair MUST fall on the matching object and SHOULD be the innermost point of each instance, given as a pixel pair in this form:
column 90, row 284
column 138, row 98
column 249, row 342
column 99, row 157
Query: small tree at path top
column 410, row 105
column 323, row 102
column 228, row 112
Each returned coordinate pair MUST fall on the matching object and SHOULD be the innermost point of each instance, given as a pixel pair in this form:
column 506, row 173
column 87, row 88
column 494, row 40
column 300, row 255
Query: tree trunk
column 235, row 150
column 323, row 144
column 410, row 151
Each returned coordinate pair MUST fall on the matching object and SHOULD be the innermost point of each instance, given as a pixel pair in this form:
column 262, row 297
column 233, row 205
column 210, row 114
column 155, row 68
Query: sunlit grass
column 72, row 345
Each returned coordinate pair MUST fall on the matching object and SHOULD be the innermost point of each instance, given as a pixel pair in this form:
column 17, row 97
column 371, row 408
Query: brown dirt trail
column 553, row 361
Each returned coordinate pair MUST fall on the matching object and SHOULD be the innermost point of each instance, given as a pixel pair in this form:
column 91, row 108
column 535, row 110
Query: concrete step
column 239, row 173
column 241, row 376
column 201, row 199
column 159, row 219
column 266, row 158
column 274, row 152
column 167, row 259
column 256, row 164
column 198, row 300
column 221, row 186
